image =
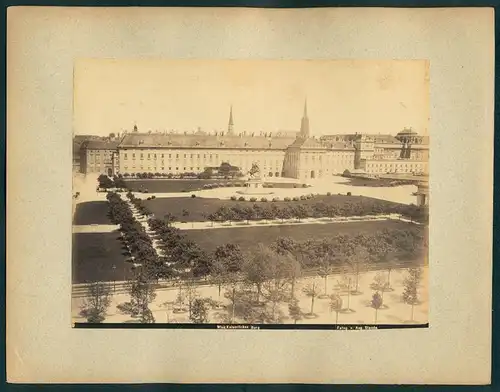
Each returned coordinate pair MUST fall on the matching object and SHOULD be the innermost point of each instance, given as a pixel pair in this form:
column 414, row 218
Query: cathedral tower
column 230, row 126
column 304, row 125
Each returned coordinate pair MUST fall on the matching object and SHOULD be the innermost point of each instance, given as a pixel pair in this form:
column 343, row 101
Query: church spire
column 304, row 126
column 230, row 126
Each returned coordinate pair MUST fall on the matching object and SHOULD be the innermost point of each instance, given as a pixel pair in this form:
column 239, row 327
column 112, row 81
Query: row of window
column 100, row 152
column 185, row 168
column 405, row 165
column 97, row 158
column 192, row 156
column 155, row 156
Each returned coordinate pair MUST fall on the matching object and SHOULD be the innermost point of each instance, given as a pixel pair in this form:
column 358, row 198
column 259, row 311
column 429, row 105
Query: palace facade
column 280, row 154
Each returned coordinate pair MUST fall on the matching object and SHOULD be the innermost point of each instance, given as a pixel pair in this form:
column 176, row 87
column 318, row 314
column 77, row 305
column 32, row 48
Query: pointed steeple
column 304, row 126
column 230, row 126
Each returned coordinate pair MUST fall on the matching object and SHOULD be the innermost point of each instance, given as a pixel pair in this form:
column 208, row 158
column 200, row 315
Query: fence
column 122, row 287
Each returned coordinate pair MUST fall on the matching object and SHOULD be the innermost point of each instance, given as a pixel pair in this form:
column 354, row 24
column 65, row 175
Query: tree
column 255, row 267
column 275, row 288
column 218, row 273
column 388, row 257
column 294, row 271
column 230, row 255
column 319, row 210
column 345, row 285
column 267, row 213
column 299, row 212
column 97, row 302
column 169, row 219
column 246, row 309
column 227, row 261
column 294, row 311
column 331, row 211
column 336, row 305
column 284, row 213
column 191, row 294
column 287, row 247
column 357, row 262
column 312, row 291
column 180, row 299
column 142, row 293
column 211, row 217
column 200, row 310
column 231, row 294
column 411, row 283
column 380, row 283
column 248, row 214
column 377, row 303
column 224, row 214
column 284, row 245
column 237, row 212
column 105, row 182
column 257, row 210
column 325, row 269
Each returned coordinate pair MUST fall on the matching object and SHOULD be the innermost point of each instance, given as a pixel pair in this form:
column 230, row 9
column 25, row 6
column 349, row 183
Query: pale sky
column 182, row 95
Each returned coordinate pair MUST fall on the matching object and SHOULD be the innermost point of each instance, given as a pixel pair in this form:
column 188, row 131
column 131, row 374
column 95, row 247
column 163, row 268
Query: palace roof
column 138, row 140
column 312, row 143
column 99, row 145
column 385, row 139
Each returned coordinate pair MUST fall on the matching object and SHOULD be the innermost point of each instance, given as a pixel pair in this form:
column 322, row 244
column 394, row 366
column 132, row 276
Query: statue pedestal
column 254, row 184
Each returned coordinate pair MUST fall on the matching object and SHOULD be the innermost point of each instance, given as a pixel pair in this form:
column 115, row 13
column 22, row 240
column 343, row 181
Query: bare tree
column 377, row 303
column 231, row 293
column 411, row 283
column 357, row 262
column 180, row 299
column 294, row 272
column 142, row 293
column 380, row 283
column 336, row 306
column 345, row 284
column 96, row 304
column 200, row 310
column 325, row 269
column 256, row 267
column 276, row 288
column 218, row 273
column 294, row 311
column 191, row 294
column 312, row 291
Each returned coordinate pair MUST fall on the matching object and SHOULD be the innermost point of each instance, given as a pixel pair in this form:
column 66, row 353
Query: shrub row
column 299, row 211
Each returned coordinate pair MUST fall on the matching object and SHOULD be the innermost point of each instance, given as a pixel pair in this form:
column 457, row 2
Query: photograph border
column 496, row 275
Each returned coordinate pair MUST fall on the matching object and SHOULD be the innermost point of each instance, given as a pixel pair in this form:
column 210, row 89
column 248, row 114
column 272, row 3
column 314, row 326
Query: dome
column 407, row 132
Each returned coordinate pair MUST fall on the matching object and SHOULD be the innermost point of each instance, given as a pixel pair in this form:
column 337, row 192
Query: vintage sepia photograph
column 251, row 193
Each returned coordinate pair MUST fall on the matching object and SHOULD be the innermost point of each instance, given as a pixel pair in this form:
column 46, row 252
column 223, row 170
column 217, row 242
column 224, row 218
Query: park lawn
column 248, row 238
column 173, row 186
column 92, row 212
column 190, row 185
column 372, row 182
column 199, row 207
column 94, row 255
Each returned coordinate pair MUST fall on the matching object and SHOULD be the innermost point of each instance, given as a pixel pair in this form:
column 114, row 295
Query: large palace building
column 280, row 154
